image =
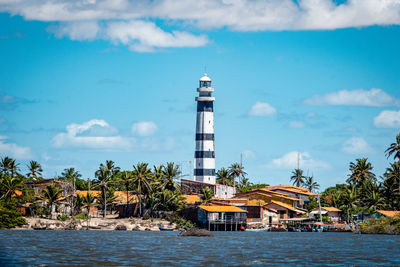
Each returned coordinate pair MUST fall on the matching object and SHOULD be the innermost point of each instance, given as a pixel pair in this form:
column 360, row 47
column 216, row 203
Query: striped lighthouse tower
column 204, row 155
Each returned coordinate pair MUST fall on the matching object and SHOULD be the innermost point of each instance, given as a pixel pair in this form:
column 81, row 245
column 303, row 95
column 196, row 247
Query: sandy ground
column 137, row 224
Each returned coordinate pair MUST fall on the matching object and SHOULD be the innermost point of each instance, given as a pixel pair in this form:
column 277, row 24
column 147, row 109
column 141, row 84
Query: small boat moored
column 165, row 229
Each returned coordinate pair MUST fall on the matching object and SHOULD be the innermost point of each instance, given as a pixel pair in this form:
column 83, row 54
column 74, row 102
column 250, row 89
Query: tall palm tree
column 171, row 172
column 88, row 201
column 236, row 170
column 360, row 172
column 51, row 195
column 224, row 177
column 104, row 174
column 310, row 183
column 5, row 164
column 125, row 178
column 350, row 199
column 142, row 178
column 394, row 148
column 8, row 165
column 35, row 170
column 297, row 177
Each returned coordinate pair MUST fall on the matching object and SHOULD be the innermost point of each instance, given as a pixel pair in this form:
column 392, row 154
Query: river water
column 167, row 248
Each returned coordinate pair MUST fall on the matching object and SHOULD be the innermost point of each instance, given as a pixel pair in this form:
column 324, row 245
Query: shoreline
column 97, row 224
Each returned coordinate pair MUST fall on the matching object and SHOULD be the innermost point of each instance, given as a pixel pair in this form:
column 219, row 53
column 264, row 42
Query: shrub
column 62, row 217
column 80, row 216
column 9, row 216
column 181, row 222
column 146, row 217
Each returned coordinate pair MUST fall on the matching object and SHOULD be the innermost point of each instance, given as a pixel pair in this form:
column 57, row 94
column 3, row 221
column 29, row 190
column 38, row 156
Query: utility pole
column 320, row 215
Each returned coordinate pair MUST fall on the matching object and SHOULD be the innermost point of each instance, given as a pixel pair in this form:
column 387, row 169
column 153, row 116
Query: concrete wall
column 224, row 191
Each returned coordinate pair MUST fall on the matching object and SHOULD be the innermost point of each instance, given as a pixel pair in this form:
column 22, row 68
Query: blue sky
column 82, row 82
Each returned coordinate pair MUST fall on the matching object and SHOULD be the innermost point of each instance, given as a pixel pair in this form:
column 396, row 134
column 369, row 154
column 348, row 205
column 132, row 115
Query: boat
column 165, row 229
column 256, row 229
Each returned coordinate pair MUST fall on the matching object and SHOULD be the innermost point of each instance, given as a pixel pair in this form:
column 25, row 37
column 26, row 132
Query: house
column 333, row 213
column 221, row 218
column 386, row 213
column 295, row 192
column 196, row 187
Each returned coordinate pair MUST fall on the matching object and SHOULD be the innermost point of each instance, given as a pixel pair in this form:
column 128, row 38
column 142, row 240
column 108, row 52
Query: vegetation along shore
column 150, row 198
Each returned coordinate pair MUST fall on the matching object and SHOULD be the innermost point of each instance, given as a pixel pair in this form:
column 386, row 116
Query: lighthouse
column 204, row 155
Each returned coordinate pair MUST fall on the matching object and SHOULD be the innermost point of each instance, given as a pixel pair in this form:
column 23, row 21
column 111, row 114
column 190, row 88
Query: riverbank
column 136, row 224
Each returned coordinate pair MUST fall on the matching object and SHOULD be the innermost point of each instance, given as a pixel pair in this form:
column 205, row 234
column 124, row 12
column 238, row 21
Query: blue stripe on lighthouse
column 205, row 106
column 203, row 172
column 204, row 154
column 200, row 137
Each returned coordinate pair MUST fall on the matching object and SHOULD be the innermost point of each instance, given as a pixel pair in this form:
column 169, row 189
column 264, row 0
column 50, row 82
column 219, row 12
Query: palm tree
column 125, row 179
column 297, row 177
column 224, row 177
column 8, row 165
column 8, row 186
column 104, row 174
column 51, row 195
column 142, row 177
column 394, row 148
column 310, row 184
column 88, row 201
column 244, row 183
column 171, row 172
column 350, row 199
column 35, row 170
column 360, row 172
column 236, row 170
column 207, row 195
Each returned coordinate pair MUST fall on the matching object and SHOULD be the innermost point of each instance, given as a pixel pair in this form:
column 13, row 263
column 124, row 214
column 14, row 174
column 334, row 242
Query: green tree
column 236, row 170
column 104, row 174
column 171, row 173
column 142, row 178
column 88, row 202
column 207, row 195
column 391, row 186
column 8, row 186
column 224, row 177
column 310, row 183
column 51, row 195
column 350, row 200
column 9, row 165
column 360, row 172
column 9, row 216
column 394, row 149
column 35, row 170
column 125, row 179
column 297, row 177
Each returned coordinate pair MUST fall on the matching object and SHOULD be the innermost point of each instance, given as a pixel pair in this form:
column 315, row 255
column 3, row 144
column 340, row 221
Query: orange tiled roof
column 286, row 206
column 221, row 208
column 191, row 199
column 389, row 213
column 120, row 195
column 330, row 209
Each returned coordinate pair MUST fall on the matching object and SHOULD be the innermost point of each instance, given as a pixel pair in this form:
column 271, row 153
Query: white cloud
column 262, row 109
column 249, row 154
column 144, row 128
column 388, row 119
column 85, row 135
column 144, row 36
column 289, row 161
column 374, row 97
column 77, row 30
column 13, row 150
column 244, row 15
column 296, row 124
column 356, row 145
